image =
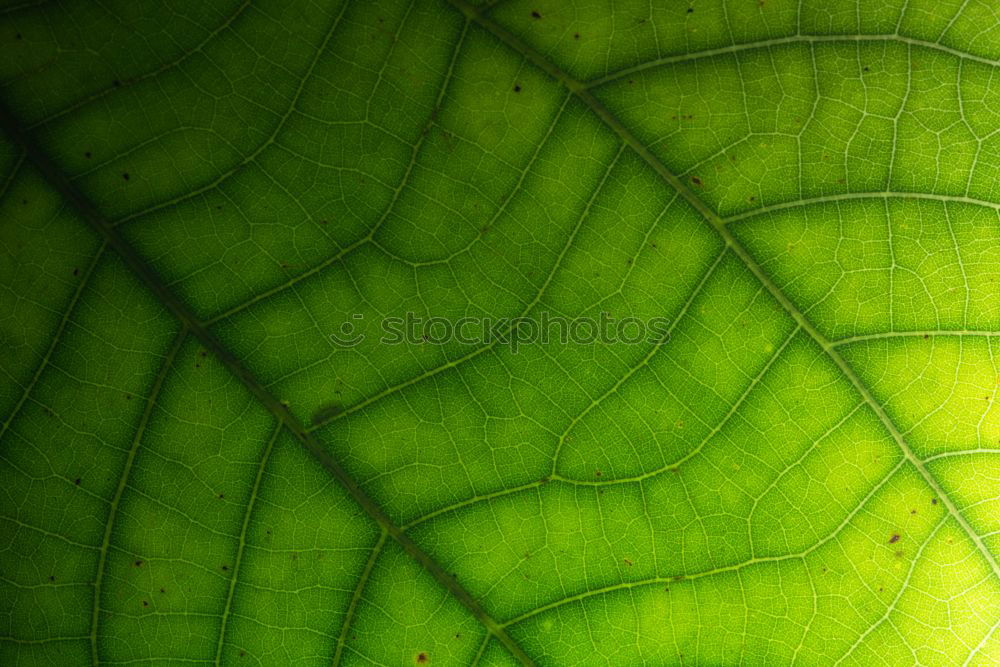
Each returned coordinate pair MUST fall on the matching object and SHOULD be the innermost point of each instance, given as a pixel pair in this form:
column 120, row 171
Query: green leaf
column 200, row 202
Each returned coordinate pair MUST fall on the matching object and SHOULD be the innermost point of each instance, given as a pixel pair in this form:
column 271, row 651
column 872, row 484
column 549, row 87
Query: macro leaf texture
column 198, row 198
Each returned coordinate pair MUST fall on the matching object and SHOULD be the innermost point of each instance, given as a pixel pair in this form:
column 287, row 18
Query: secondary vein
column 580, row 89
column 189, row 321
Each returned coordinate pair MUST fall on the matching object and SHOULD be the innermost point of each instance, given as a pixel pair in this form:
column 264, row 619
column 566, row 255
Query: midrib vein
column 580, row 89
column 60, row 182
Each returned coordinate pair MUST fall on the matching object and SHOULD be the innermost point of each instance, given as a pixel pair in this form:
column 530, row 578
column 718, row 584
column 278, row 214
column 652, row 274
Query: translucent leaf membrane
column 800, row 468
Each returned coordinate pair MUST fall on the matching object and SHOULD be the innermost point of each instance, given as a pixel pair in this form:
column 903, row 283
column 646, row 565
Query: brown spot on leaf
column 696, row 181
column 894, row 538
column 535, row 15
column 138, row 563
column 125, row 175
column 517, row 88
column 77, row 481
column 422, row 658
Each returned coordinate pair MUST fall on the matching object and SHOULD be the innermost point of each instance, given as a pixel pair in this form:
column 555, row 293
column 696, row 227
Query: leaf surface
column 197, row 197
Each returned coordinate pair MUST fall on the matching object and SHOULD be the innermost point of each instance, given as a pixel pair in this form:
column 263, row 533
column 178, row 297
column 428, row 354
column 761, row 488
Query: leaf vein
column 791, row 39
column 713, row 219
